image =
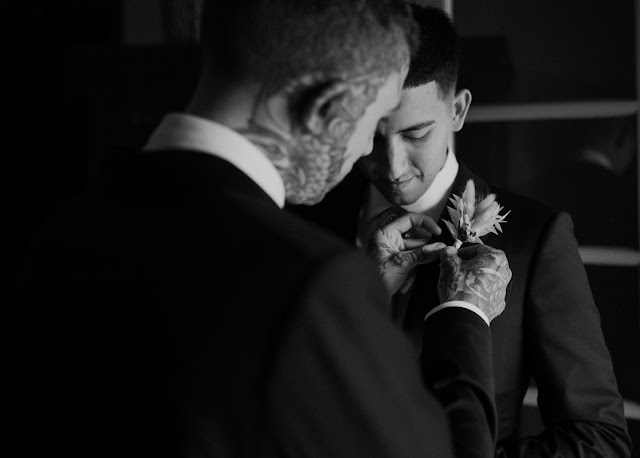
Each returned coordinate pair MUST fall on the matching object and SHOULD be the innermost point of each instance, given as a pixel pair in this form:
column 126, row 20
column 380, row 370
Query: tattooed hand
column 399, row 243
column 478, row 274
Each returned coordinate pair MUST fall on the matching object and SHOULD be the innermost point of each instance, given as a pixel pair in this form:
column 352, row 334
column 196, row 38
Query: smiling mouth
column 398, row 185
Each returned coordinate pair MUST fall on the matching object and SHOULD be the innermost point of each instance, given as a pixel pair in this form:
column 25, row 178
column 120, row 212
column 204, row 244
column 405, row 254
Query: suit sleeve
column 578, row 396
column 457, row 368
column 346, row 382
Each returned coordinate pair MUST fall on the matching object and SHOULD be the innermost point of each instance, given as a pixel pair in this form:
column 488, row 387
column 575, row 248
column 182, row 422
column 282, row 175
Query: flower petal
column 452, row 229
column 485, row 203
column 469, row 197
column 454, row 216
column 487, row 215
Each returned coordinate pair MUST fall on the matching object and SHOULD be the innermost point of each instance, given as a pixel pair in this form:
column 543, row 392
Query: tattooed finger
column 410, row 244
column 406, row 258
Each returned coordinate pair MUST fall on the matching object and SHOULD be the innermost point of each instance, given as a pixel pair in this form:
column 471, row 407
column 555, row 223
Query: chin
column 403, row 201
column 400, row 199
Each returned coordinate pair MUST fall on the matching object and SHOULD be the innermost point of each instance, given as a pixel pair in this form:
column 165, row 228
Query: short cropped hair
column 275, row 41
column 438, row 55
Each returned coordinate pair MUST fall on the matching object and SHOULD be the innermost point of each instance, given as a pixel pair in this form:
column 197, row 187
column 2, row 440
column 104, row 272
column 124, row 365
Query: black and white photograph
column 321, row 228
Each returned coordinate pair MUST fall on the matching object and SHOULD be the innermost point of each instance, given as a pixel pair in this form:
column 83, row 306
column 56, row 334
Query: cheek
column 425, row 156
column 417, row 155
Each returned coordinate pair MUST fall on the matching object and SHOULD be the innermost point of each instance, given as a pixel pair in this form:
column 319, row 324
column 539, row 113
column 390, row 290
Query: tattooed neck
column 309, row 162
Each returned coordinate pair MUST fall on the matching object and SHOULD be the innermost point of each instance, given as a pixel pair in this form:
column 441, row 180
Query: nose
column 396, row 159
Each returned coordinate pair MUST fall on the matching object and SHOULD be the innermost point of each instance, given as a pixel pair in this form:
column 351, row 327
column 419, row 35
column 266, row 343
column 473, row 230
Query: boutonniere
column 474, row 216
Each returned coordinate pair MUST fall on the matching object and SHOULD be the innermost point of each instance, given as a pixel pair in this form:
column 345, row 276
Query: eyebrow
column 422, row 125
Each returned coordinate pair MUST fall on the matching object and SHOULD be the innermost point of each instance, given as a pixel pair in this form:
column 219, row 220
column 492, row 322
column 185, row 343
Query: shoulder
column 523, row 207
column 528, row 220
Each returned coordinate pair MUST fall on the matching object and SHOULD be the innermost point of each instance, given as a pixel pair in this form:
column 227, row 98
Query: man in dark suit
column 550, row 329
column 176, row 310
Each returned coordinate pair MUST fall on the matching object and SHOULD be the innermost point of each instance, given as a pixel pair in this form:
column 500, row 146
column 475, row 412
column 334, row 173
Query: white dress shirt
column 185, row 131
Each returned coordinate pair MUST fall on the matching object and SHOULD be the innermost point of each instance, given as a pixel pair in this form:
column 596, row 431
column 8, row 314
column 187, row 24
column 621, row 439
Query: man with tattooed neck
column 177, row 310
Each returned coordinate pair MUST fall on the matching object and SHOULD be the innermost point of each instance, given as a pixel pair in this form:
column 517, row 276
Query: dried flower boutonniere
column 473, row 217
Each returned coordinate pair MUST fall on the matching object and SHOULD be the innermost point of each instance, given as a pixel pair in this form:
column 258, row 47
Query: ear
column 319, row 105
column 461, row 104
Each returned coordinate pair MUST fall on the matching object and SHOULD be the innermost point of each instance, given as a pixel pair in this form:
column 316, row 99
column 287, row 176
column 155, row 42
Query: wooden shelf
column 609, row 256
column 553, row 110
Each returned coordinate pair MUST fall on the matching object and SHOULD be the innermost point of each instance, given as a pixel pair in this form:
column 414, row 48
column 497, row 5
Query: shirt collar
column 436, row 195
column 185, row 131
column 432, row 202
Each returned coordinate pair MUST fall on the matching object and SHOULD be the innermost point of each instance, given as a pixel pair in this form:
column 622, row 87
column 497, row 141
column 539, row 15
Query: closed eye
column 417, row 132
column 416, row 135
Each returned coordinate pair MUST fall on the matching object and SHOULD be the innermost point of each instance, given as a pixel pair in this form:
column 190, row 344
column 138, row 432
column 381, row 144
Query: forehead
column 389, row 93
column 417, row 105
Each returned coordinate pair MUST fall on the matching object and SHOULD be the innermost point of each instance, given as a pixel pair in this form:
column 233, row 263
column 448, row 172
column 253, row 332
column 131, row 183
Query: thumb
column 430, row 252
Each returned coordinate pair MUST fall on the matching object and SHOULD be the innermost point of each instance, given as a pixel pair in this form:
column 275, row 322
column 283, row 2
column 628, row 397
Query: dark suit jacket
column 550, row 329
column 177, row 311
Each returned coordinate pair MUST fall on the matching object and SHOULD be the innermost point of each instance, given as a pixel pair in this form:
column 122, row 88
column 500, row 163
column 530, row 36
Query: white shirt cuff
column 462, row 304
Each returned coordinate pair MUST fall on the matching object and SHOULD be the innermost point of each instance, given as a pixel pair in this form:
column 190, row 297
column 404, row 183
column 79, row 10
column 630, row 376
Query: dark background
column 81, row 77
